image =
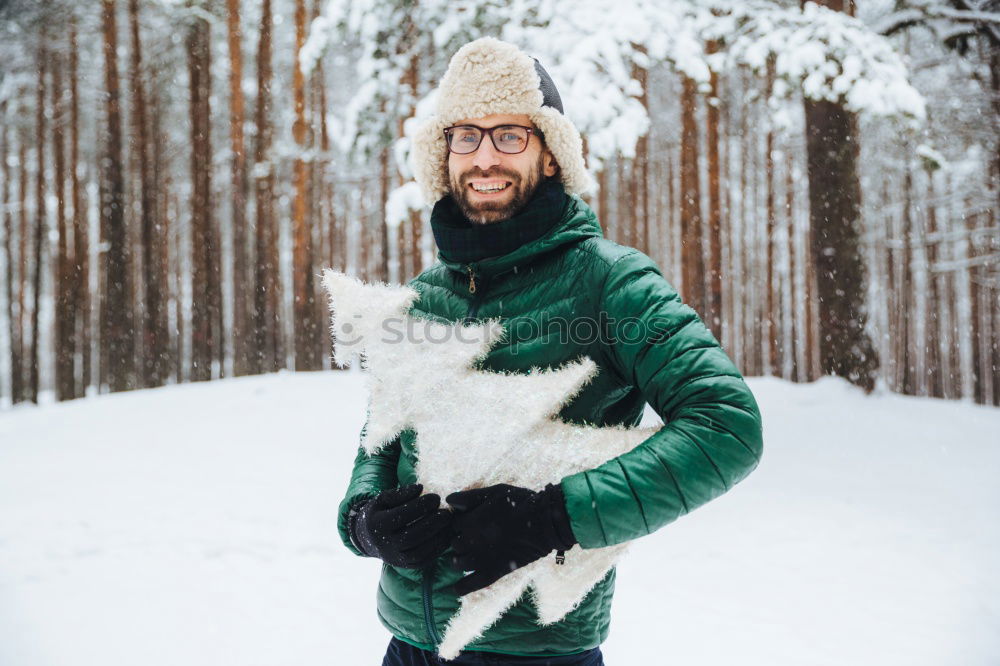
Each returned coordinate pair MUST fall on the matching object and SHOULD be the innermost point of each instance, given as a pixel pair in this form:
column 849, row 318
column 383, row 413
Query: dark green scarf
column 462, row 241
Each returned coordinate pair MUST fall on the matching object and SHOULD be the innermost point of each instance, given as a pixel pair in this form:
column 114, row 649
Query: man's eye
column 468, row 138
column 510, row 136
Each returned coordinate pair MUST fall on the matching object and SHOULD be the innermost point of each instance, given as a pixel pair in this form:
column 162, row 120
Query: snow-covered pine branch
column 941, row 18
column 592, row 53
column 829, row 56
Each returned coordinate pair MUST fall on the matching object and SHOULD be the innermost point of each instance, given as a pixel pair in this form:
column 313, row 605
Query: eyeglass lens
column 465, row 139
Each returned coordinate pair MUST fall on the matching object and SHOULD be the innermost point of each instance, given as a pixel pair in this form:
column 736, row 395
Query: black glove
column 502, row 528
column 401, row 527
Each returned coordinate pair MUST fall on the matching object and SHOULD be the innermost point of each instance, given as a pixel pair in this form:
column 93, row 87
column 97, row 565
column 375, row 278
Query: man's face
column 517, row 176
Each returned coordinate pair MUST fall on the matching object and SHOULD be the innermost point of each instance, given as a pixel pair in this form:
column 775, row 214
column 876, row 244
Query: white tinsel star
column 474, row 429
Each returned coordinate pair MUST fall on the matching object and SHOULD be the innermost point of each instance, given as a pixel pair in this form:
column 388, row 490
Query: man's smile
column 489, row 187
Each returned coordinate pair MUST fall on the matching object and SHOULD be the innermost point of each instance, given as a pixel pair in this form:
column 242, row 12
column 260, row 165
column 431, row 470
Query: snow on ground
column 195, row 525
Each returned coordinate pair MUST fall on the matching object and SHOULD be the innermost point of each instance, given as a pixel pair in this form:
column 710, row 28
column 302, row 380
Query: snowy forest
column 821, row 182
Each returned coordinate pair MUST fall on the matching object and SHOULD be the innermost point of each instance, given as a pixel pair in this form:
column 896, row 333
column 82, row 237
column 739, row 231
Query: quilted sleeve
column 711, row 437
column 370, row 476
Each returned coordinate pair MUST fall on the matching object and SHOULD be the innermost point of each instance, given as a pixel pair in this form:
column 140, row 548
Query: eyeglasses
column 509, row 139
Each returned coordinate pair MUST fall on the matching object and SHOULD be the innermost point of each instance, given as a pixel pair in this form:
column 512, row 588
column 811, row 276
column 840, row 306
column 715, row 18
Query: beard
column 488, row 212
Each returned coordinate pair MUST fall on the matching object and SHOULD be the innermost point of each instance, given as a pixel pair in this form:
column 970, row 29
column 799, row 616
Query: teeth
column 489, row 188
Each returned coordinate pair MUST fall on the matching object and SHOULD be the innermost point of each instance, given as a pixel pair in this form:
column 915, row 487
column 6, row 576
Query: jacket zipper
column 426, row 585
column 472, row 279
column 470, row 316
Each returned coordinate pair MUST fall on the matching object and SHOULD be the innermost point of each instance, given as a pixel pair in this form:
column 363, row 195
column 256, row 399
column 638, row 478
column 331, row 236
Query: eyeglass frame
column 483, row 131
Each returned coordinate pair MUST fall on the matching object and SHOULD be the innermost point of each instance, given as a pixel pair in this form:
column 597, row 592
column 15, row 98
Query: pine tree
column 242, row 337
column 206, row 301
column 304, row 292
column 41, row 222
column 117, row 329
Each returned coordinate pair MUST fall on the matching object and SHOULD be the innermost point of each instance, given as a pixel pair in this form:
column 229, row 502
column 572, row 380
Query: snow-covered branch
column 937, row 17
column 959, row 264
column 829, row 56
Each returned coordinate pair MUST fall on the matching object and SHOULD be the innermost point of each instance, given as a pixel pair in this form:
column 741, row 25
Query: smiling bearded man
column 490, row 183
column 503, row 167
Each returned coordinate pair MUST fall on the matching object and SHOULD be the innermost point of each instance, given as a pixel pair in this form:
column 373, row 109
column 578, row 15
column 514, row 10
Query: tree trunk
column 904, row 291
column 10, row 260
column 994, row 60
column 965, row 315
column 669, row 218
column 364, row 234
column 995, row 308
column 639, row 183
column 416, row 219
column 159, row 256
column 80, row 270
column 338, row 237
column 306, row 326
column 756, row 241
column 975, row 302
column 921, row 308
column 381, row 238
column 154, row 334
column 741, row 350
column 769, row 304
column 713, row 313
column 322, row 198
column 793, row 339
column 204, row 278
column 692, row 260
column 242, row 352
column 602, row 197
column 40, row 221
column 22, row 273
column 933, row 321
column 268, row 352
column 176, row 268
column 835, row 212
column 117, row 333
column 620, row 228
column 64, row 321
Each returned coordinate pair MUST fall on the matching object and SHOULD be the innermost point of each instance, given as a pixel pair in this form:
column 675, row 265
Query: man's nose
column 486, row 155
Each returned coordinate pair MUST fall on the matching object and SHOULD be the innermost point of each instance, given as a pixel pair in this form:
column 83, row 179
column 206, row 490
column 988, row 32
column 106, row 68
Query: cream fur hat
column 489, row 76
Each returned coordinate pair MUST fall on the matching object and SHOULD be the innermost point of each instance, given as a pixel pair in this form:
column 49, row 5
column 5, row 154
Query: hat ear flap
column 429, row 159
column 565, row 144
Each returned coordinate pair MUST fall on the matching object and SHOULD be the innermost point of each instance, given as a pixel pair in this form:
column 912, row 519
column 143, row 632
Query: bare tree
column 117, row 330
column 268, row 342
column 79, row 309
column 206, row 298
column 21, row 378
column 713, row 309
column 40, row 220
column 769, row 301
column 64, row 315
column 154, row 334
column 10, row 260
column 240, row 188
column 691, row 220
column 639, row 183
column 304, row 291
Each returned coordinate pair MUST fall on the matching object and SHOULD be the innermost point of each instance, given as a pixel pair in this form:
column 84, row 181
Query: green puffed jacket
column 711, row 438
